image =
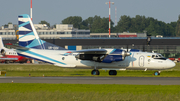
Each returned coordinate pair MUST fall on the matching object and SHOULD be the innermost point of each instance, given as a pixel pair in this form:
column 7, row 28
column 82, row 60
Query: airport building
column 44, row 32
column 168, row 46
column 71, row 38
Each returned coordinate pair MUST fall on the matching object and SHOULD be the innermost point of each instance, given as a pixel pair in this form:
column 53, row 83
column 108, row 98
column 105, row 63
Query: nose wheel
column 95, row 72
column 157, row 73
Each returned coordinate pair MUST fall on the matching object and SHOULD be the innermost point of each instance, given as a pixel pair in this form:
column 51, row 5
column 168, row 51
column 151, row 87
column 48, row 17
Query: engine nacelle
column 116, row 55
column 113, row 58
column 95, row 58
column 98, row 58
column 3, row 52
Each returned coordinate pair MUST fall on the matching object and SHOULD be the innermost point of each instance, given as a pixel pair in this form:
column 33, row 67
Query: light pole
column 109, row 17
column 31, row 10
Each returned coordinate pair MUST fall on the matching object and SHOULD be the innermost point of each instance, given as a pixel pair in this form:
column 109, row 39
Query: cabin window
column 63, row 58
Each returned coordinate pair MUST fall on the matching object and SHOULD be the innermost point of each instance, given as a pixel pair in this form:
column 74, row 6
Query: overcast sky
column 54, row 11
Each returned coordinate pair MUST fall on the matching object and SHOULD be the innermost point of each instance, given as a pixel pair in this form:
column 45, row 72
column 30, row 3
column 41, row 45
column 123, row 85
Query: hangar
column 168, row 46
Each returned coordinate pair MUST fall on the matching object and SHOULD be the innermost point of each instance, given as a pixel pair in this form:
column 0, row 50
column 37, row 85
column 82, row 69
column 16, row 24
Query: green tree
column 123, row 24
column 178, row 27
column 172, row 29
column 75, row 20
column 140, row 23
column 100, row 25
column 44, row 22
column 89, row 22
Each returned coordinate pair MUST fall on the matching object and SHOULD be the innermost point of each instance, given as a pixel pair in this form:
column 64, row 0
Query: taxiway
column 95, row 80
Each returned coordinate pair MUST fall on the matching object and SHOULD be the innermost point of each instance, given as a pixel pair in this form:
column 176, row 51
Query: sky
column 54, row 11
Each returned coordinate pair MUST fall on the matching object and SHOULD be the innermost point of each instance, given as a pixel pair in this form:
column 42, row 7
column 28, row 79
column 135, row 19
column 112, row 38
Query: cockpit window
column 161, row 56
column 153, row 56
column 158, row 56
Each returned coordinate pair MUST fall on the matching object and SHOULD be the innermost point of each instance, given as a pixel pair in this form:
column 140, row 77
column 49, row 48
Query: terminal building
column 44, row 32
column 71, row 38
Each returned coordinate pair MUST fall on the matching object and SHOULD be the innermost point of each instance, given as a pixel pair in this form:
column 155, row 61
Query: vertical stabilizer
column 28, row 36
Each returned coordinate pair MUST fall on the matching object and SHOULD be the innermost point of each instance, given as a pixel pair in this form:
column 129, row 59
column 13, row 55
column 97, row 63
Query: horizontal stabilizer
column 18, row 47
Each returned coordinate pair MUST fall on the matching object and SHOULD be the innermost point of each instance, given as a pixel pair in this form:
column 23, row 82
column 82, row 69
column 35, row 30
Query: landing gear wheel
column 157, row 73
column 95, row 72
column 112, row 72
column 7, row 62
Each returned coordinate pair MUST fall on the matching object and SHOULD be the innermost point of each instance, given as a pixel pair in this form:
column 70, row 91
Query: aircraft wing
column 90, row 51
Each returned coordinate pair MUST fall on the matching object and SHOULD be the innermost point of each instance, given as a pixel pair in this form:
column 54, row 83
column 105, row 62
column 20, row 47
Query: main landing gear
column 95, row 72
column 112, row 72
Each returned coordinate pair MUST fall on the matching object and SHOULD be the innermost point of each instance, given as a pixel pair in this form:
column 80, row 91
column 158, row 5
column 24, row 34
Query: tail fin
column 1, row 43
column 28, row 36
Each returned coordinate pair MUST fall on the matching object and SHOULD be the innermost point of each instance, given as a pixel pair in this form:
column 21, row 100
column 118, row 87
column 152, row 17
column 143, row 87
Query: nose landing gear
column 157, row 73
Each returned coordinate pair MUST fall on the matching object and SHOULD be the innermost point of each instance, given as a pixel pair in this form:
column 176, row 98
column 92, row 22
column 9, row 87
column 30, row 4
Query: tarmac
column 95, row 80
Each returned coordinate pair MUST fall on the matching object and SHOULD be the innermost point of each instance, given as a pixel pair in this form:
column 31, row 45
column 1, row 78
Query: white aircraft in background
column 31, row 46
column 9, row 55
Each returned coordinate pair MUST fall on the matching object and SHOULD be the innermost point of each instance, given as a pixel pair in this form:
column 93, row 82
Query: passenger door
column 141, row 61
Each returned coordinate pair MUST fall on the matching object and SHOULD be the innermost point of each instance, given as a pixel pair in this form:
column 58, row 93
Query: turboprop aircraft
column 30, row 45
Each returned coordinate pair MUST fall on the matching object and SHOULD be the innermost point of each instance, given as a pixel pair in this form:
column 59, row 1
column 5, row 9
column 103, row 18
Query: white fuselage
column 137, row 60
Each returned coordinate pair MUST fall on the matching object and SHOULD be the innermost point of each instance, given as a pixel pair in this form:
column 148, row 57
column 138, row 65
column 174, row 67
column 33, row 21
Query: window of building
column 87, row 32
column 60, row 32
column 80, row 32
column 67, row 32
column 73, row 32
column 1, row 33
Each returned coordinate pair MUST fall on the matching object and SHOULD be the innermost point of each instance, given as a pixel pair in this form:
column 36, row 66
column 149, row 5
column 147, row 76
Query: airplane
column 31, row 46
column 10, row 55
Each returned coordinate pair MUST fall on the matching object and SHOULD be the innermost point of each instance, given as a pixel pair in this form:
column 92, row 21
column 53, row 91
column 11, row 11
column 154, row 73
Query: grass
column 88, row 92
column 84, row 92
column 51, row 70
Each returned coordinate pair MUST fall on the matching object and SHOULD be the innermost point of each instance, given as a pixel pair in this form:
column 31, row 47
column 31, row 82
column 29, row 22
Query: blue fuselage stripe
column 23, row 24
column 44, row 57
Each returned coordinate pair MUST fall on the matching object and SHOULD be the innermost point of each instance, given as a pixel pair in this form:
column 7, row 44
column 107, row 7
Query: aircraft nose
column 170, row 64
